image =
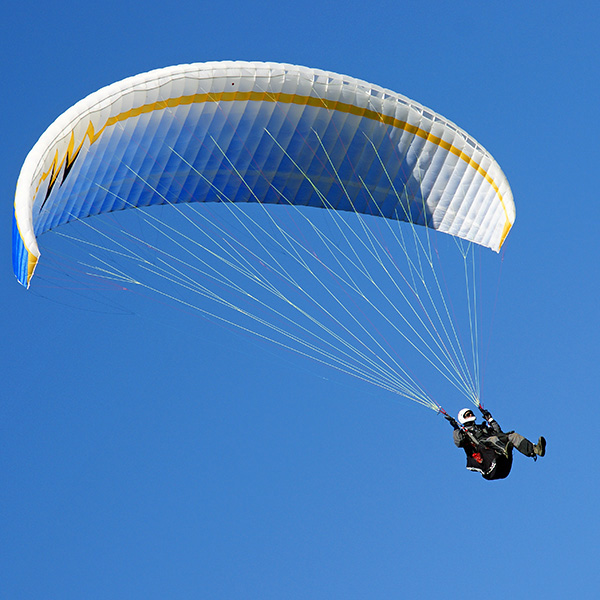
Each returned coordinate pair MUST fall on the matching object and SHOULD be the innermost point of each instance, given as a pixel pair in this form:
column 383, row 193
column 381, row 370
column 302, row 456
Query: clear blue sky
column 137, row 461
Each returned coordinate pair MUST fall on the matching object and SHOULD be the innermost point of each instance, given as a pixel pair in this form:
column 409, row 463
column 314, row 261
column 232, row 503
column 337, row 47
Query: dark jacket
column 487, row 449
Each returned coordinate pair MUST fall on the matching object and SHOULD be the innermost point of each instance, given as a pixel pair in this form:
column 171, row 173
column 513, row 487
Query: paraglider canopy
column 258, row 132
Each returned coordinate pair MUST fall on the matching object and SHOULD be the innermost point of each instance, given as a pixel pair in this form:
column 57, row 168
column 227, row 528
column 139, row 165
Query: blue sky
column 162, row 459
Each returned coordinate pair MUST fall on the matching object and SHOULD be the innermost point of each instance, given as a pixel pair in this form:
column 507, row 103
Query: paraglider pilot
column 488, row 448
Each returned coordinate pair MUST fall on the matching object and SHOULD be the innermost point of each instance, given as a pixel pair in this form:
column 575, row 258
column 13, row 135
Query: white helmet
column 465, row 416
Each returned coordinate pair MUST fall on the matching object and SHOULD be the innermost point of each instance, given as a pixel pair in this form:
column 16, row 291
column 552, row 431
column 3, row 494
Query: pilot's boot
column 540, row 447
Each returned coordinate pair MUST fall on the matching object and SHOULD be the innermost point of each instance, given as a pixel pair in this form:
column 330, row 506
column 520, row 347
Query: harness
column 492, row 458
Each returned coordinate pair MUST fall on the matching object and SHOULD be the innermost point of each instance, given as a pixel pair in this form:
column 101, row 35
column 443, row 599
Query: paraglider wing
column 257, row 132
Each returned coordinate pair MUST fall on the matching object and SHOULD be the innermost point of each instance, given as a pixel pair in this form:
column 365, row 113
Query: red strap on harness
column 477, row 457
